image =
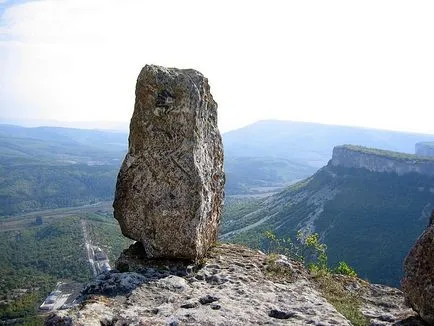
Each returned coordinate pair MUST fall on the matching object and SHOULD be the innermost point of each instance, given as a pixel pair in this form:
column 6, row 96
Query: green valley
column 48, row 167
column 45, row 250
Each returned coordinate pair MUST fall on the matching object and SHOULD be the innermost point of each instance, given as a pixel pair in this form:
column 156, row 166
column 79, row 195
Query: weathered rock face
column 418, row 281
column 376, row 160
column 234, row 286
column 169, row 192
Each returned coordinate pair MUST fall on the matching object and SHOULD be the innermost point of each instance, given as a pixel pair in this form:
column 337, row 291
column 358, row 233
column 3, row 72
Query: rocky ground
column 233, row 285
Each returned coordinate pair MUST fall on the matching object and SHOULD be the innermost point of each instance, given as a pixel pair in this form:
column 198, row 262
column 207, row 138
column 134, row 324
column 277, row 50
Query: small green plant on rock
column 344, row 269
column 314, row 252
column 282, row 246
column 308, row 250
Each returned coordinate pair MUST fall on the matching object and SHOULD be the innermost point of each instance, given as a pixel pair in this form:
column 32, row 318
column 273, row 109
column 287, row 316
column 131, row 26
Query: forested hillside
column 36, row 256
column 34, row 259
column 367, row 219
column 29, row 187
column 49, row 167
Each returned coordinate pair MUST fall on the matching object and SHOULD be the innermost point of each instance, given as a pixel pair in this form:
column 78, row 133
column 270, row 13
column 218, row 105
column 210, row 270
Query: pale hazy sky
column 365, row 63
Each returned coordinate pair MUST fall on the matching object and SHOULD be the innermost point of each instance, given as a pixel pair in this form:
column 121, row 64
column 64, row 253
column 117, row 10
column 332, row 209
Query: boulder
column 418, row 281
column 169, row 191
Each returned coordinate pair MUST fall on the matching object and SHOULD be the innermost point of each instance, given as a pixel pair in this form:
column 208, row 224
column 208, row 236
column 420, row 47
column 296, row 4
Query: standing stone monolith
column 418, row 281
column 169, row 192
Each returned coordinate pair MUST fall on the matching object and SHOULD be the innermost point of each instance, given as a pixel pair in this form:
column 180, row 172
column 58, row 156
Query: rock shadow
column 134, row 268
column 411, row 321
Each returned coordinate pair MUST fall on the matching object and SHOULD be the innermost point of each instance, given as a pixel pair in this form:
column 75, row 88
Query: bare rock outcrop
column 378, row 160
column 418, row 281
column 233, row 285
column 169, row 192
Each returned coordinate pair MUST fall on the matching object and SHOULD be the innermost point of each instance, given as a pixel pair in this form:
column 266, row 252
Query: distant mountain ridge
column 312, row 143
column 119, row 126
column 62, row 145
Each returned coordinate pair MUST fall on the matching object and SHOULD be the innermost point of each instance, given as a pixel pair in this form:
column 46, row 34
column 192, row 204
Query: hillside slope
column 369, row 219
column 50, row 167
column 256, row 175
column 61, row 145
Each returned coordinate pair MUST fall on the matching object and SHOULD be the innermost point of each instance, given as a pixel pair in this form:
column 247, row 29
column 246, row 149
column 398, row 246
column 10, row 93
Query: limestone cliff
column 425, row 149
column 233, row 286
column 376, row 160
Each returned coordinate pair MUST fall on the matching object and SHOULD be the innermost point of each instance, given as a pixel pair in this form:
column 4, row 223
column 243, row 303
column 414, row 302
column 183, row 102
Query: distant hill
column 118, row 126
column 61, row 145
column 311, row 143
column 259, row 175
column 30, row 187
column 50, row 167
column 368, row 218
column 47, row 167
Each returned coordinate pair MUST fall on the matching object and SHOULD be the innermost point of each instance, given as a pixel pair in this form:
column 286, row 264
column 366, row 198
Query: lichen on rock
column 169, row 192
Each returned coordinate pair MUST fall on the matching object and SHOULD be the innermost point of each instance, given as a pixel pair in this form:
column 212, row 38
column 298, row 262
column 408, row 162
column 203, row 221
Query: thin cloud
column 340, row 62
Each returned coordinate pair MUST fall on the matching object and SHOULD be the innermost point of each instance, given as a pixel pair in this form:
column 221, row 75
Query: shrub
column 309, row 250
column 314, row 252
column 282, row 246
column 344, row 269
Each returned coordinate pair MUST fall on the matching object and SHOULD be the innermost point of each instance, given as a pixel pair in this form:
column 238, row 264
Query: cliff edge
column 377, row 160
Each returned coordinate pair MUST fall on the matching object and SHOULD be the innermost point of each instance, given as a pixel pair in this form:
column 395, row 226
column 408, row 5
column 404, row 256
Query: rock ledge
column 233, row 286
